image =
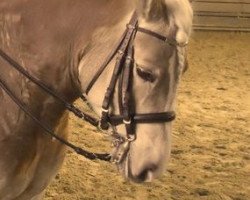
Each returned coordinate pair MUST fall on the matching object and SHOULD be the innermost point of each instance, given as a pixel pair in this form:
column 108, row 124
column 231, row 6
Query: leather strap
column 78, row 150
column 154, row 34
column 117, row 70
column 144, row 118
column 111, row 55
column 93, row 121
column 126, row 90
column 171, row 42
column 105, row 63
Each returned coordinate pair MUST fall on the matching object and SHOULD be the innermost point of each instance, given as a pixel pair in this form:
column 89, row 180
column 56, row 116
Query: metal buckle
column 127, row 121
column 105, row 110
column 131, row 138
column 121, row 152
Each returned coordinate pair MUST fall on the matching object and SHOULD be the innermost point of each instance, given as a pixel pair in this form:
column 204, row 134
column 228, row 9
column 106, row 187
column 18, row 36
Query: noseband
column 122, row 74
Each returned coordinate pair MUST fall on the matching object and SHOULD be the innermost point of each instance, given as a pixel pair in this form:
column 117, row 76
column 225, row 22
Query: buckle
column 131, row 138
column 127, row 121
column 105, row 110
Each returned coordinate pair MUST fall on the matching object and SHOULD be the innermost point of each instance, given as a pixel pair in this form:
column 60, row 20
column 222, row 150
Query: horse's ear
column 151, row 9
column 142, row 7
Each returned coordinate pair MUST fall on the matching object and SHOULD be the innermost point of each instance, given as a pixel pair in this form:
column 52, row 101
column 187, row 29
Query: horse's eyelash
column 145, row 75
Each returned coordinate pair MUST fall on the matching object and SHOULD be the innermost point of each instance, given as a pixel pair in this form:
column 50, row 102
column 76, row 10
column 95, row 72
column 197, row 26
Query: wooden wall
column 224, row 15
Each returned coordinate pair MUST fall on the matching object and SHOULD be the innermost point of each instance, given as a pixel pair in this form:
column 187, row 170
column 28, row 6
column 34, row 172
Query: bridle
column 122, row 74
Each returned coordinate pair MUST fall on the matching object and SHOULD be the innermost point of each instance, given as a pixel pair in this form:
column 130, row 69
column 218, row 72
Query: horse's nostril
column 142, row 176
column 146, row 175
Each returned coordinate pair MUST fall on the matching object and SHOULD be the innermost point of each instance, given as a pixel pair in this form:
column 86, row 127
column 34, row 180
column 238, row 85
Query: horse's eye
column 145, row 74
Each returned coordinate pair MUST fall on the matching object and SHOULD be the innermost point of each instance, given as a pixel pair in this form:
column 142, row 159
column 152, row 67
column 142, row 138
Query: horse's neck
column 54, row 65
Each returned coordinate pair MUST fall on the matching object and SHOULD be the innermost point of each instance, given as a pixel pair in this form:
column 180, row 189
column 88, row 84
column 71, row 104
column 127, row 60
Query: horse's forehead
column 153, row 56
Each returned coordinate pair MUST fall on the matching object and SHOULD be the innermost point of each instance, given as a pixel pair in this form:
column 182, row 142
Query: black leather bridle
column 122, row 74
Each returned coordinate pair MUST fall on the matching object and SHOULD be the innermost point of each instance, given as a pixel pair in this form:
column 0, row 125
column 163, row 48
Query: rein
column 122, row 74
column 68, row 106
column 78, row 150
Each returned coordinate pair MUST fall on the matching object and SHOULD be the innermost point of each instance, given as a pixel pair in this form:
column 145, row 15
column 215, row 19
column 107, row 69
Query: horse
column 63, row 43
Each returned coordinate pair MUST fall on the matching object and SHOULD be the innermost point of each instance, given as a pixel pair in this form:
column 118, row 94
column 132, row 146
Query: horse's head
column 157, row 67
column 156, row 72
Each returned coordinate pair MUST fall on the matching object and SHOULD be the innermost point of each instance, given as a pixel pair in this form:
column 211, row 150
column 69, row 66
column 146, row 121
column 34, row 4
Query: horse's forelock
column 181, row 16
